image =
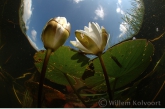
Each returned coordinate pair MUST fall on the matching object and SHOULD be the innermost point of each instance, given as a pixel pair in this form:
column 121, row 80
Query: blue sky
column 79, row 13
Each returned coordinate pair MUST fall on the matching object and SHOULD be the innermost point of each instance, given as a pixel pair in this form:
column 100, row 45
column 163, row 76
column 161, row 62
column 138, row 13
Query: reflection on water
column 121, row 18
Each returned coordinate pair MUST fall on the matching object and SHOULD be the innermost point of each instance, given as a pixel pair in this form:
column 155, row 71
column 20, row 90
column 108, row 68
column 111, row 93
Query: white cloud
column 123, row 28
column 119, row 9
column 119, row 2
column 27, row 12
column 122, row 12
column 77, row 1
column 33, row 43
column 33, row 34
column 99, row 13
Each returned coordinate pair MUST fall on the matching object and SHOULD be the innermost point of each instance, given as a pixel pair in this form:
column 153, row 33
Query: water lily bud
column 55, row 33
column 91, row 40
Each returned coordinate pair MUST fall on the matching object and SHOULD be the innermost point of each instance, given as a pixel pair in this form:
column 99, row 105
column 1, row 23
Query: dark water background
column 16, row 53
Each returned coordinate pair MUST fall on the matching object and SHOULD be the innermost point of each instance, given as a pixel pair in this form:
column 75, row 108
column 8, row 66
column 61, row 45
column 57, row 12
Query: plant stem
column 106, row 78
column 42, row 77
column 157, row 93
column 75, row 90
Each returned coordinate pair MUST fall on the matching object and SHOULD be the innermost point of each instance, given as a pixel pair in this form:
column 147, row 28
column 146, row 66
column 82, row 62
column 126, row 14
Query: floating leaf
column 64, row 60
column 124, row 63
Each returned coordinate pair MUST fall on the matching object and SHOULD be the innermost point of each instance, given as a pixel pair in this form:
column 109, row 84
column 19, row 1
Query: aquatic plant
column 133, row 19
column 89, row 70
column 124, row 63
column 54, row 35
column 93, row 40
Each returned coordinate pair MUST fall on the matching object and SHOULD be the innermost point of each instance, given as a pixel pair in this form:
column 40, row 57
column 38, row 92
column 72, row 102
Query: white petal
column 98, row 27
column 74, row 43
column 83, row 32
column 83, row 48
column 108, row 44
column 59, row 30
column 86, row 29
column 90, row 35
column 90, row 28
column 78, row 45
column 96, row 34
column 109, row 36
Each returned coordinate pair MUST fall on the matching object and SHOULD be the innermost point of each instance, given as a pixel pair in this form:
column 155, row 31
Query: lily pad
column 63, row 61
column 124, row 63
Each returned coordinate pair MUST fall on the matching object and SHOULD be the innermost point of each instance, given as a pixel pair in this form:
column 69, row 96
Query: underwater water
column 136, row 67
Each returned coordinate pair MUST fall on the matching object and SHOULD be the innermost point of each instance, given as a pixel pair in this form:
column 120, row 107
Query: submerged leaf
column 49, row 95
column 49, row 92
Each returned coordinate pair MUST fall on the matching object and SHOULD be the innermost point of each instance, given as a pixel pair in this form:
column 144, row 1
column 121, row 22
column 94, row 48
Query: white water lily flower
column 91, row 40
column 55, row 33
